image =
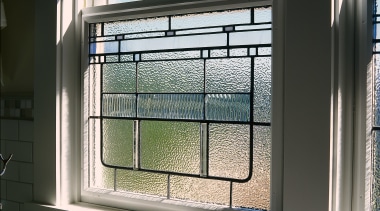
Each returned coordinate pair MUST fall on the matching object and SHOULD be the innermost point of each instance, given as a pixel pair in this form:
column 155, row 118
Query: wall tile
column 22, row 151
column 26, row 172
column 26, row 130
column 3, row 189
column 9, row 129
column 10, row 206
column 12, row 172
column 19, row 192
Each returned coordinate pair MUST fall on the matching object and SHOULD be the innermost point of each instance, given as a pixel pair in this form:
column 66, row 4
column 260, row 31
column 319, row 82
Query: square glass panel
column 119, row 77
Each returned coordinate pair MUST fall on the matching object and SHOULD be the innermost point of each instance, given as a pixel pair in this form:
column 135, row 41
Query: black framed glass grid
column 178, row 107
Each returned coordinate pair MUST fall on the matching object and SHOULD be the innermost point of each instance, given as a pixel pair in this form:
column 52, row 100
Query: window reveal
column 179, row 107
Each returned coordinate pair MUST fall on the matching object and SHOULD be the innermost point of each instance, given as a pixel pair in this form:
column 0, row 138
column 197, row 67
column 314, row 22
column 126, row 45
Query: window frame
column 151, row 8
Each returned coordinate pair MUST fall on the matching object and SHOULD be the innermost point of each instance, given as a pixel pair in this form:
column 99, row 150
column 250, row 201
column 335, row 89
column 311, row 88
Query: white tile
column 22, row 151
column 19, row 192
column 9, row 129
column 26, row 172
column 26, row 130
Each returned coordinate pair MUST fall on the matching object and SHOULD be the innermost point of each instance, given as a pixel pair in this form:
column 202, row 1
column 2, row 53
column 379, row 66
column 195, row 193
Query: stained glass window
column 178, row 107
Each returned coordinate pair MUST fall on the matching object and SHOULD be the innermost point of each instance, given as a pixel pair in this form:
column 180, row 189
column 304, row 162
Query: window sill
column 71, row 207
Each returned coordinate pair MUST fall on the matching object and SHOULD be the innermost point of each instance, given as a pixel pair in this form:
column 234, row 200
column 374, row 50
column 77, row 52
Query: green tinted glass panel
column 228, row 107
column 119, row 77
column 118, row 142
column 171, row 76
column 229, row 150
column 228, row 75
column 170, row 146
column 141, row 182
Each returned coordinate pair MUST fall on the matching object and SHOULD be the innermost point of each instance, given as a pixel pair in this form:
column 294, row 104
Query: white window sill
column 71, row 207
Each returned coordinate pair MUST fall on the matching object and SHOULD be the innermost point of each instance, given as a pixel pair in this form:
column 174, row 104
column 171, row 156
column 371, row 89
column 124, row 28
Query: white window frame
column 109, row 12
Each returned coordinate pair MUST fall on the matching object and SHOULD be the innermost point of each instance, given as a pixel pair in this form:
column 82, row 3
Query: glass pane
column 141, row 182
column 133, row 26
column 218, row 53
column 118, row 142
column 229, row 150
column 375, row 198
column 119, row 77
column 104, row 47
column 195, row 41
column 112, row 58
column 256, row 192
column 262, row 89
column 376, row 61
column 94, row 90
column 171, row 106
column 100, row 176
column 228, row 75
column 119, row 105
column 170, row 146
column 126, row 58
column 95, row 30
column 211, row 19
column 265, row 51
column 262, row 15
column 251, row 37
column 171, row 55
column 228, row 107
column 201, row 190
column 171, row 76
column 238, row 52
column 253, row 27
column 151, row 34
column 199, row 31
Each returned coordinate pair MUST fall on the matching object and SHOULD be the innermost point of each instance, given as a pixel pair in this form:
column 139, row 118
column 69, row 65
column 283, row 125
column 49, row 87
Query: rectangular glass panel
column 171, row 76
column 112, row 58
column 170, row 146
column 256, row 192
column 229, row 150
column 199, row 31
column 150, row 34
column 139, row 25
column 94, row 90
column 119, row 77
column 119, row 105
column 218, row 53
column 251, row 37
column 95, row 30
column 141, row 182
column 171, row 55
column 200, row 190
column 209, row 19
column 375, row 198
column 253, row 27
column 262, row 89
column 228, row 107
column 126, row 58
column 238, row 52
column 118, row 142
column 100, row 176
column 376, row 100
column 195, row 41
column 262, row 14
column 110, row 38
column 104, row 47
column 171, row 106
column 265, row 51
column 228, row 75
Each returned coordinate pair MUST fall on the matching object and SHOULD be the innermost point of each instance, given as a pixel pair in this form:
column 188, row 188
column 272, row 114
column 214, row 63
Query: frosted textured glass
column 141, row 182
column 119, row 105
column 171, row 55
column 228, row 107
column 262, row 15
column 119, row 77
column 112, row 58
column 171, row 76
column 376, row 99
column 265, row 51
column 118, row 142
column 200, row 190
column 251, row 37
column 139, row 25
column 199, row 31
column 229, row 150
column 375, row 197
column 253, row 27
column 94, row 90
column 238, row 52
column 211, row 19
column 150, row 34
column 171, row 106
column 95, row 30
column 218, row 53
column 256, row 192
column 262, row 89
column 105, row 38
column 104, row 47
column 228, row 75
column 126, row 58
column 100, row 176
column 195, row 41
column 170, row 146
